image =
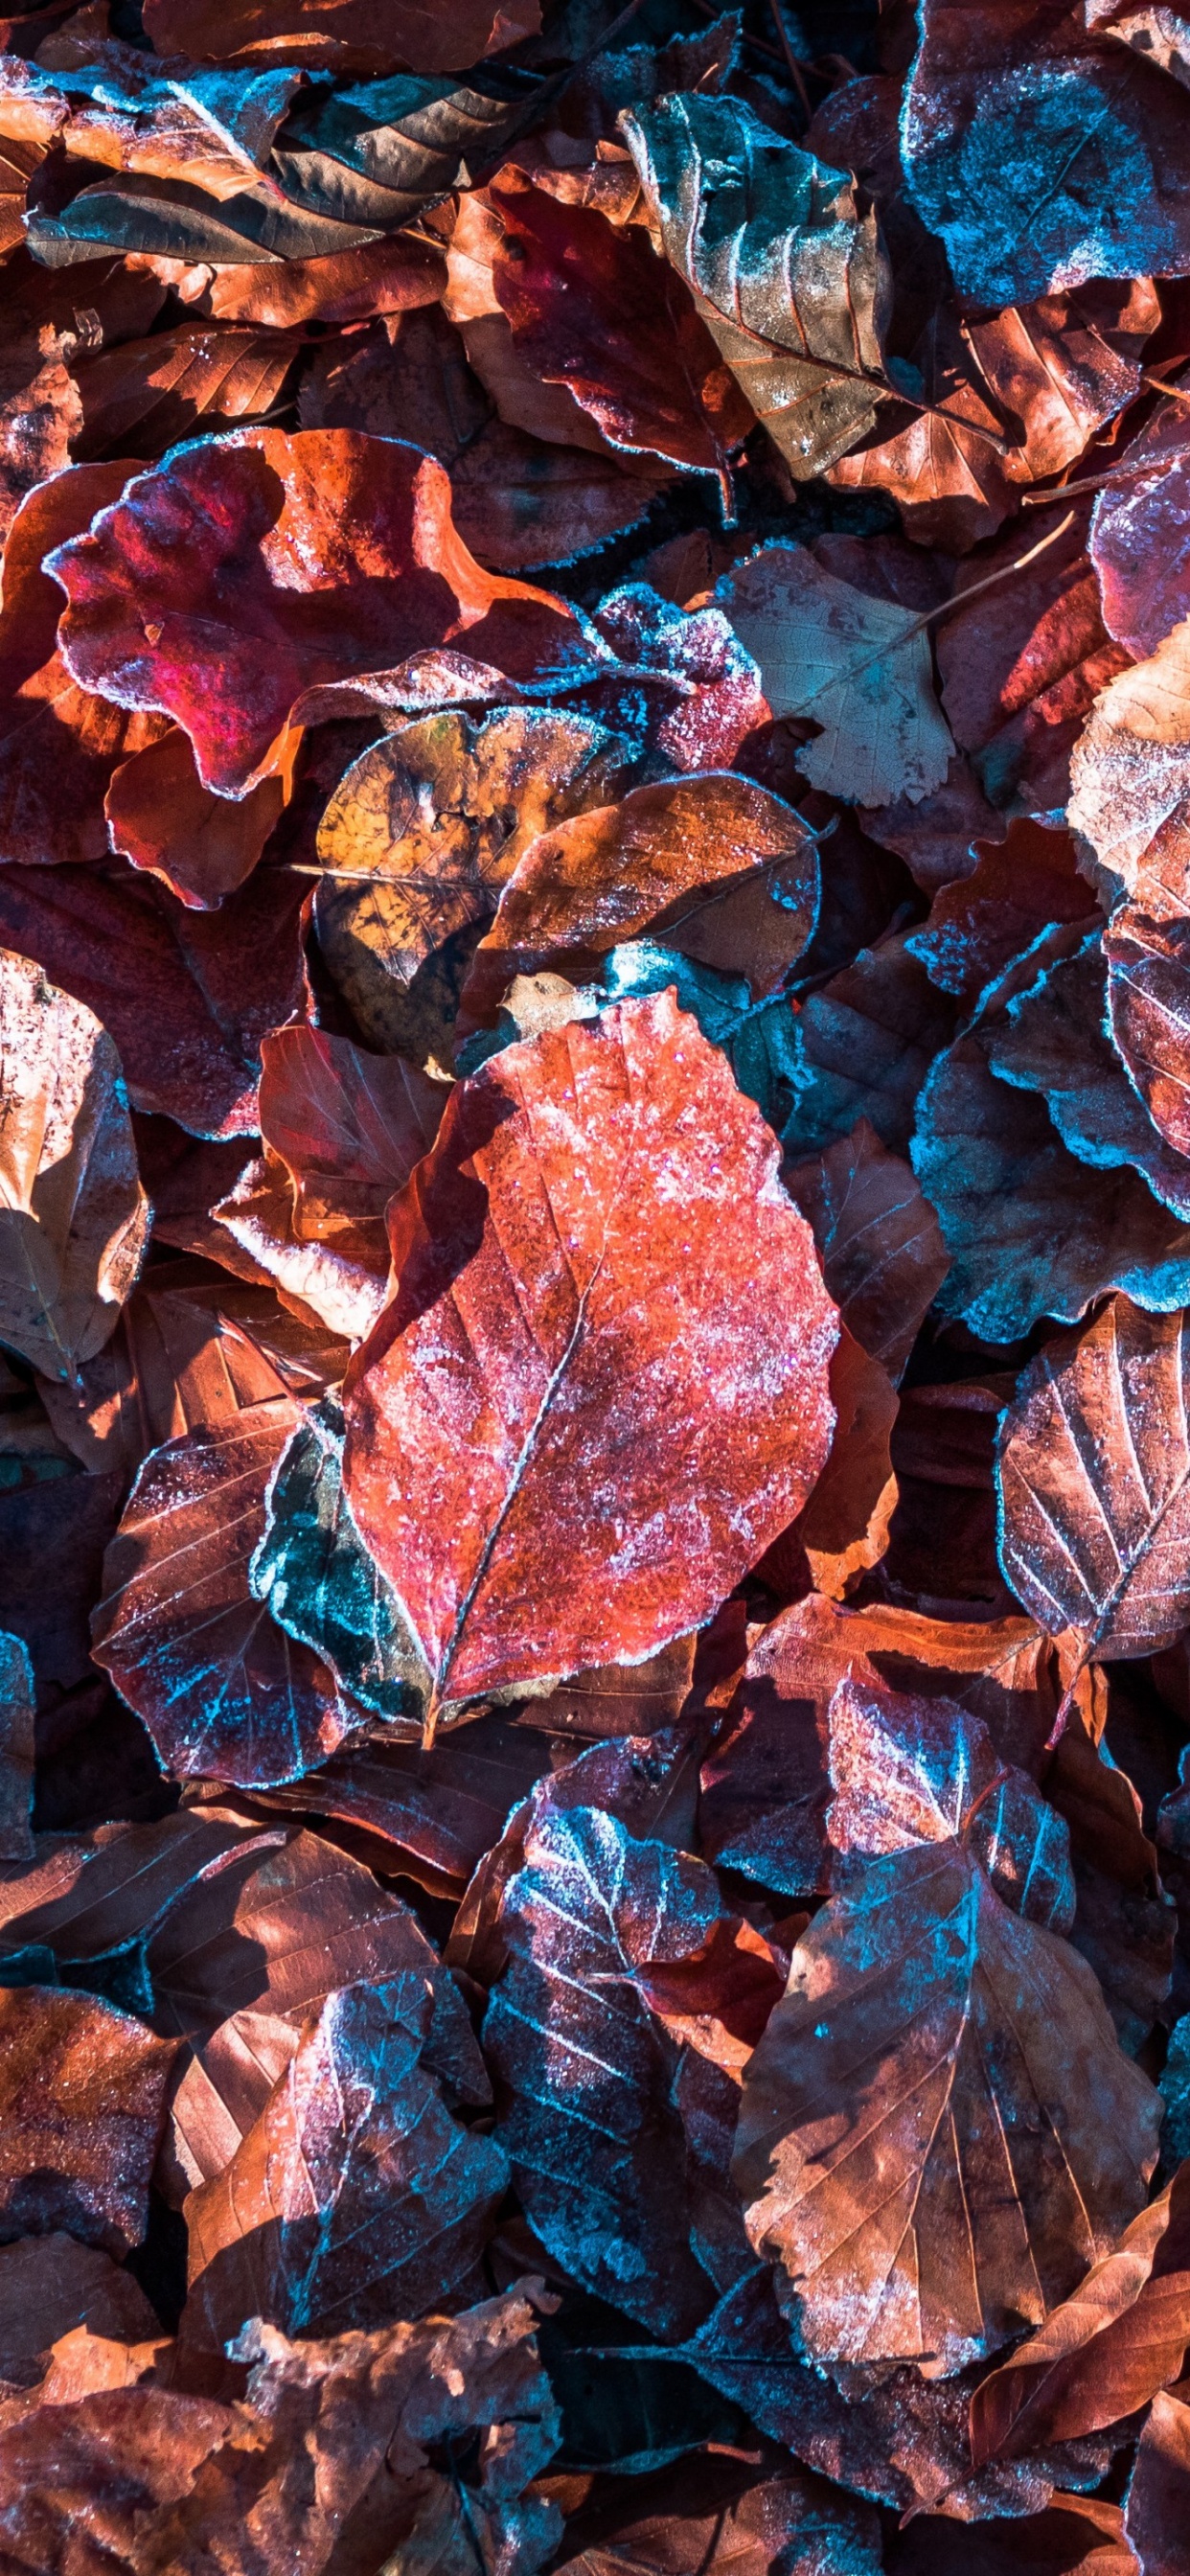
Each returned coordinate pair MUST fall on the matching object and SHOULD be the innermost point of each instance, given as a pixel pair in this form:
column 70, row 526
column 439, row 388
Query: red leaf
column 247, row 570
column 58, row 744
column 590, row 1132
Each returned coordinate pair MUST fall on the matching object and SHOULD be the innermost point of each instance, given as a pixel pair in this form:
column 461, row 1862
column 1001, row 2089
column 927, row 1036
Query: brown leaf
column 1094, row 1479
column 438, row 1812
column 1159, row 2489
column 79, row 2482
column 591, row 306
column 882, row 1253
column 356, row 2199
column 349, row 1128
column 1108, row 2349
column 844, row 1527
column 84, row 2103
column 423, row 832
column 49, row 2286
column 711, row 866
column 148, row 394
column 161, row 817
column 925, row 2027
column 75, row 1220
column 1135, row 542
column 356, row 2441
column 713, row 1468
column 331, row 1281
column 220, row 1687
column 187, row 995
column 521, row 504
column 979, row 923
column 341, row 35
column 191, row 1346
column 703, row 2516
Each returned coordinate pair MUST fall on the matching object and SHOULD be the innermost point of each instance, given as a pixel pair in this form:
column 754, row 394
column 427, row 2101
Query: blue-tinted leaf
column 321, row 1585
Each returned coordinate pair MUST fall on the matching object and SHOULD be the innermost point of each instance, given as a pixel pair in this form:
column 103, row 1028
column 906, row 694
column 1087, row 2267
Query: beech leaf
column 74, row 1219
column 789, row 278
column 857, row 666
column 591, row 1129
column 1093, row 1474
column 922, row 2144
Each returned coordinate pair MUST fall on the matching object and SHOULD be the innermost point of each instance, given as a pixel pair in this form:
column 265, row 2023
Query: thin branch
column 792, row 63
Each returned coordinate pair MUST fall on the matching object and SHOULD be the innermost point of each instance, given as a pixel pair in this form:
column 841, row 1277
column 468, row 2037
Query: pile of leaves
column 594, row 1254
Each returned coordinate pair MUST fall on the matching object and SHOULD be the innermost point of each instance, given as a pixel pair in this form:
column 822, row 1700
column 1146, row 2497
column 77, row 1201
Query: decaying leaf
column 789, row 278
column 856, row 665
column 74, row 1218
column 922, row 2145
column 587, row 1130
column 84, row 2106
column 1093, row 1475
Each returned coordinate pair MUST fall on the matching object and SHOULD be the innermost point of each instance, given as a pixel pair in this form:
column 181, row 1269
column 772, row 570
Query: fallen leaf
column 356, row 2199
column 1159, row 2488
column 219, row 1685
column 1056, row 1039
column 1003, row 136
column 187, row 995
column 843, row 1529
column 1091, row 1531
column 84, row 2105
column 856, row 665
column 606, row 1937
column 349, row 1128
column 424, row 830
column 75, row 1219
column 883, row 1258
column 161, row 817
column 356, row 2439
column 696, row 1450
column 592, row 307
column 58, row 744
column 978, row 924
column 342, row 35
column 710, row 2514
column 1072, row 2532
column 910, row 1770
column 1107, row 2350
column 789, row 278
column 710, row 865
column 924, row 2029
column 862, row 1046
column 239, row 545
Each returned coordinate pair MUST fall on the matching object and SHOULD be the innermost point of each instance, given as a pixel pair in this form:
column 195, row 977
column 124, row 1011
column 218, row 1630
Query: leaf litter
column 594, row 1260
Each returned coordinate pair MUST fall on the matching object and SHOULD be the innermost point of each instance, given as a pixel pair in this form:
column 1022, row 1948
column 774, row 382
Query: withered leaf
column 1159, row 2488
column 591, row 306
column 883, row 1257
column 710, row 866
column 320, row 1584
column 161, row 817
column 84, row 2105
column 857, row 665
column 74, row 1219
column 911, row 1770
column 923, row 2146
column 1094, row 1472
column 220, row 1686
column 1107, row 2350
column 790, row 279
column 423, row 831
column 588, row 1131
column 356, row 2198
column 230, row 648
column 608, row 1939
